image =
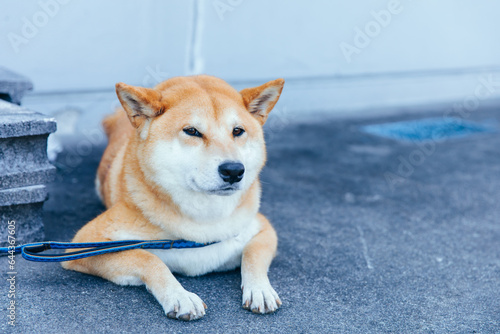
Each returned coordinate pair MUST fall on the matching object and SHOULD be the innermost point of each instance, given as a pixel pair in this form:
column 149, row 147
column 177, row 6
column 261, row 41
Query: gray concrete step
column 24, row 167
column 13, row 86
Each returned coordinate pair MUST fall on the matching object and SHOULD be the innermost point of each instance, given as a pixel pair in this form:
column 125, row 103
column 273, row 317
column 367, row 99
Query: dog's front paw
column 183, row 305
column 260, row 298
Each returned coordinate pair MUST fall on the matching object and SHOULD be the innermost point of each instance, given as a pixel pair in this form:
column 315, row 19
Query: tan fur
column 118, row 129
column 137, row 205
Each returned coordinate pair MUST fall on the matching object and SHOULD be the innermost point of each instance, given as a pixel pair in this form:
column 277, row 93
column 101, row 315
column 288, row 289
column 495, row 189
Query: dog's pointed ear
column 260, row 100
column 141, row 104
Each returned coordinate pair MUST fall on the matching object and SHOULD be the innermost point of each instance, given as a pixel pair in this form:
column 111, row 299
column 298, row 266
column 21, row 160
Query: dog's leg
column 258, row 294
column 133, row 266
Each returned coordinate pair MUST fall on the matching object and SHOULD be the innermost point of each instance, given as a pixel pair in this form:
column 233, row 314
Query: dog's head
column 198, row 134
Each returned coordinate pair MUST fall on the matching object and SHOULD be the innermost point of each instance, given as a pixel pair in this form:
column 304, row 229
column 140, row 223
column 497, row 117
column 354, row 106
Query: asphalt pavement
column 373, row 237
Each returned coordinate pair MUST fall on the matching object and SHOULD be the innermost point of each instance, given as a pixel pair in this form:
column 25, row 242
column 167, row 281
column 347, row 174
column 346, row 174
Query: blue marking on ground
column 427, row 129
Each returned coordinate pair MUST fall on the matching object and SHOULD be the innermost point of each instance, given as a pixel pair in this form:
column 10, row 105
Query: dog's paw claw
column 257, row 310
column 261, row 299
column 183, row 305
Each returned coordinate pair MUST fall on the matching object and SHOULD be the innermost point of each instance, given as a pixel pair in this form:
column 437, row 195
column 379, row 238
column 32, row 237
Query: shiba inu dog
column 182, row 162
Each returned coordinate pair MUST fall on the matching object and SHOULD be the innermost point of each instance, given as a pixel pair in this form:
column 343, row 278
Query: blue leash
column 30, row 251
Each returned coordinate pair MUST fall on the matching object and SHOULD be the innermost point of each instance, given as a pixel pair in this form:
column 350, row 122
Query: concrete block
column 24, row 170
column 17, row 121
column 24, row 205
column 23, row 195
column 13, row 86
column 28, row 223
column 23, row 161
column 27, row 177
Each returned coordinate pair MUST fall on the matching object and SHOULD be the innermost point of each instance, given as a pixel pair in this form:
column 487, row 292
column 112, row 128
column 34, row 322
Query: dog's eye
column 192, row 132
column 238, row 132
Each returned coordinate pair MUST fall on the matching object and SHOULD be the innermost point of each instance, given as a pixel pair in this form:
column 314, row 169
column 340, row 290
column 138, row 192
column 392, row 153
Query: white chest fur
column 222, row 256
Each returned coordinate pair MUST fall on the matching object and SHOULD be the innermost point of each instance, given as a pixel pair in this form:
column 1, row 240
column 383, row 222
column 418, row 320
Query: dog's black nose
column 231, row 172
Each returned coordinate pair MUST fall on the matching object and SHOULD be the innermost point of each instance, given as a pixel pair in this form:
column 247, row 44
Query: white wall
column 92, row 44
column 262, row 38
column 427, row 51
